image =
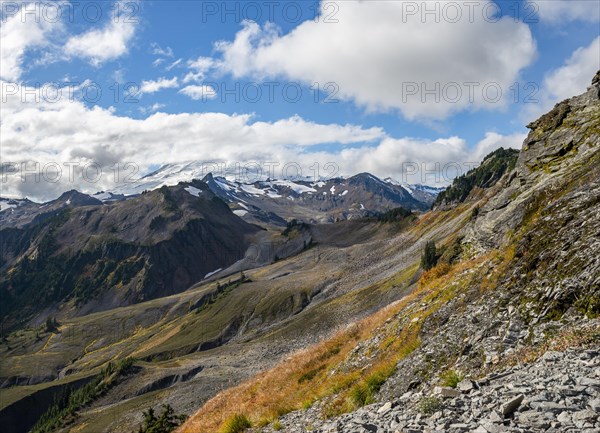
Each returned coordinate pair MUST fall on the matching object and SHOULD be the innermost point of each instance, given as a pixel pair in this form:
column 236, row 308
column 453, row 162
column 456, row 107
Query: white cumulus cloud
column 197, row 93
column 100, row 45
column 575, row 75
column 19, row 33
column 422, row 65
column 69, row 132
column 198, row 69
column 153, row 86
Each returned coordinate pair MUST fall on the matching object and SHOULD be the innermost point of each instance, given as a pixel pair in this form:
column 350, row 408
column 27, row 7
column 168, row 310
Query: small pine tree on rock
column 429, row 257
column 166, row 422
column 51, row 324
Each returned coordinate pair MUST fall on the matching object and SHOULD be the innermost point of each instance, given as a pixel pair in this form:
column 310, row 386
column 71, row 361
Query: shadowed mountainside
column 96, row 257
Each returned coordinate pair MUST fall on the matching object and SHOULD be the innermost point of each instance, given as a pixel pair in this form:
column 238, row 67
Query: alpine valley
column 349, row 304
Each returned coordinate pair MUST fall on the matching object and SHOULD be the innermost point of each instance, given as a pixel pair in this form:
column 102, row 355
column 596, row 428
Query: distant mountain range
column 172, row 174
column 275, row 201
column 266, row 202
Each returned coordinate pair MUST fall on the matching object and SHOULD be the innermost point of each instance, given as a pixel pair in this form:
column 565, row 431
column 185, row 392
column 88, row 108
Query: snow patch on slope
column 213, row 272
column 296, row 187
column 251, row 189
column 414, row 188
column 194, row 191
column 6, row 204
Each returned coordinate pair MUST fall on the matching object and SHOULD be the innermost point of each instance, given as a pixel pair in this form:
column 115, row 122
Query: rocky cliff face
column 560, row 154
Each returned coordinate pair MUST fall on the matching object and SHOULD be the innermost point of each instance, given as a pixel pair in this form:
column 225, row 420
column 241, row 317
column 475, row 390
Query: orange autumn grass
column 295, row 383
column 308, row 375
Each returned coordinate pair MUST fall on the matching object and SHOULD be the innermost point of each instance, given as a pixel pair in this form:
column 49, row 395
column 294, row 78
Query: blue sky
column 372, row 54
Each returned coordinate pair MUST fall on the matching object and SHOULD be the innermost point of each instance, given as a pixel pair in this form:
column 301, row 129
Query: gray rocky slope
column 559, row 392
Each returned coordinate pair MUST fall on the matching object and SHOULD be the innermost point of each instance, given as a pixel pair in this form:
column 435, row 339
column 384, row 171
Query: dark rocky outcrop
column 20, row 416
column 561, row 153
column 167, row 381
